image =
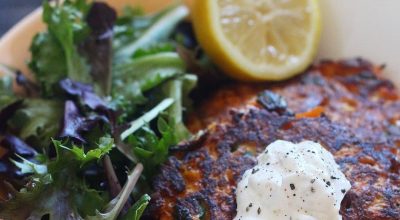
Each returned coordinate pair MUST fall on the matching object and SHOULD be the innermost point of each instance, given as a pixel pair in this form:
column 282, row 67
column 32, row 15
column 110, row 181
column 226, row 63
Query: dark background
column 11, row 11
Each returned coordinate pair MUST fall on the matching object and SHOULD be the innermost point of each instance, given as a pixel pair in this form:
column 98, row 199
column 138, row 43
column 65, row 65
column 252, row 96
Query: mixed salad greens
column 85, row 138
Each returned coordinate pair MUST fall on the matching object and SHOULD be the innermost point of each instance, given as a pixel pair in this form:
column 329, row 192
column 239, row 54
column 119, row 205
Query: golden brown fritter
column 346, row 106
column 350, row 92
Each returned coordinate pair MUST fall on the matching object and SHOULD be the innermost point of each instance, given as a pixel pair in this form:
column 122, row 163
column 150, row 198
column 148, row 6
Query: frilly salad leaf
column 150, row 71
column 137, row 76
column 151, row 149
column 48, row 62
column 56, row 189
column 103, row 148
column 66, row 23
column 55, row 53
column 55, row 203
column 141, row 122
column 74, row 153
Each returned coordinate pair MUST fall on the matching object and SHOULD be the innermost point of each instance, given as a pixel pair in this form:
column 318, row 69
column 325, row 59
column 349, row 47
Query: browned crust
column 358, row 126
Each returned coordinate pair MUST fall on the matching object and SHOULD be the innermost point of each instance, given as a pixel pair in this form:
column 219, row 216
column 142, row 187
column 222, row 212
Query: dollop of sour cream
column 292, row 181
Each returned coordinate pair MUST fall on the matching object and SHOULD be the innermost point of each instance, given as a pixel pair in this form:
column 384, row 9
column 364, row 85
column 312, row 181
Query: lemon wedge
column 257, row 40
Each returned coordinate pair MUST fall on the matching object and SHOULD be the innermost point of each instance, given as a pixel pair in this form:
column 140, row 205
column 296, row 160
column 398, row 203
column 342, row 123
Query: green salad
column 84, row 139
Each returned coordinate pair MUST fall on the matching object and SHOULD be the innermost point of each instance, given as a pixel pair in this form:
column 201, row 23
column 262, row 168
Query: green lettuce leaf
column 133, row 79
column 150, row 149
column 139, row 123
column 136, row 211
column 55, row 189
column 149, row 71
column 55, row 52
column 104, row 147
column 7, row 96
column 48, row 62
column 57, row 200
column 38, row 119
column 154, row 49
column 66, row 23
column 158, row 29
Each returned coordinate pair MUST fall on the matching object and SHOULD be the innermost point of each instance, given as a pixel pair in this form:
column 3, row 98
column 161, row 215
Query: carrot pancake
column 346, row 106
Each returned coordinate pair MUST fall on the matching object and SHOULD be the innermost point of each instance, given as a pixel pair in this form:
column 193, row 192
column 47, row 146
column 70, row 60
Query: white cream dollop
column 292, row 181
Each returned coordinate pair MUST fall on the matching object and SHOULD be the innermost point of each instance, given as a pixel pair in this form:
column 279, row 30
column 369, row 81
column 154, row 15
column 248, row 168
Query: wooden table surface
column 11, row 11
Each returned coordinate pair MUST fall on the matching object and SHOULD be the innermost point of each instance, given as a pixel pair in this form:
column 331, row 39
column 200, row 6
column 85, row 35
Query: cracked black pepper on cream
column 292, row 181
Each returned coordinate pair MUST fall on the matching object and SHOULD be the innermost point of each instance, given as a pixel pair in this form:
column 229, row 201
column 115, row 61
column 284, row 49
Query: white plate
column 352, row 28
column 363, row 28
